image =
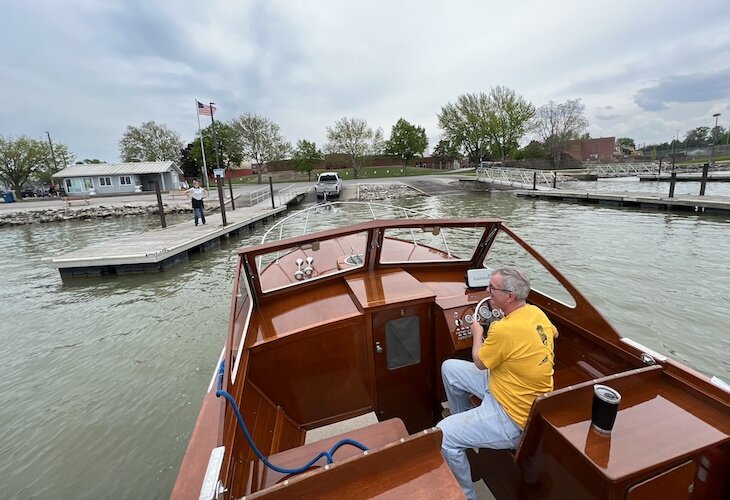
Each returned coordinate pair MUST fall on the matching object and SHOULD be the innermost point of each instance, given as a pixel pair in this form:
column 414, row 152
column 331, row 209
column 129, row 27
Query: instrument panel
column 458, row 321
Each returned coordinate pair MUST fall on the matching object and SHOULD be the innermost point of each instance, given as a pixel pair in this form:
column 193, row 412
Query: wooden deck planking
column 158, row 249
column 684, row 202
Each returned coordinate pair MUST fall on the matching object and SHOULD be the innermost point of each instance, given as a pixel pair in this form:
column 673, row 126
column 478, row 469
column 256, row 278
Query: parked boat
column 343, row 322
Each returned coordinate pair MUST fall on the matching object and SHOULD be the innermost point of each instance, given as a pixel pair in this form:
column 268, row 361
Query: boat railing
column 368, row 211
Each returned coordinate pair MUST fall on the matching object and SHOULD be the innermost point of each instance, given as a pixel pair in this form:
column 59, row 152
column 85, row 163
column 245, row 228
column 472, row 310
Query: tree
column 697, row 137
column 626, row 142
column 87, row 160
column 21, row 158
column 306, row 156
column 260, row 140
column 509, row 117
column 466, row 123
column 188, row 165
column 150, row 142
column 229, row 147
column 54, row 161
column 557, row 124
column 533, row 150
column 406, row 141
column 353, row 138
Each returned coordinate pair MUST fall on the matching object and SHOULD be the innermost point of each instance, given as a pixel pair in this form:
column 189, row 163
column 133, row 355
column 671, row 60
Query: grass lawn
column 345, row 174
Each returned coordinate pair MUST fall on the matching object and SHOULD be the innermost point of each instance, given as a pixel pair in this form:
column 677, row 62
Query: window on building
column 125, row 180
column 105, row 181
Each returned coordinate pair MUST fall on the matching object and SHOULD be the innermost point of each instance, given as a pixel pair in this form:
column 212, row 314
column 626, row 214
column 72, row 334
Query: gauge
column 484, row 312
column 468, row 318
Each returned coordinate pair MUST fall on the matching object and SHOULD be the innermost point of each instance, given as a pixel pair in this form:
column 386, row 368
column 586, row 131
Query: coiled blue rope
column 329, row 454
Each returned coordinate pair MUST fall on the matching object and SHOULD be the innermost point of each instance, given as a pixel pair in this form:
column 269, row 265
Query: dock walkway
column 688, row 177
column 683, row 203
column 159, row 249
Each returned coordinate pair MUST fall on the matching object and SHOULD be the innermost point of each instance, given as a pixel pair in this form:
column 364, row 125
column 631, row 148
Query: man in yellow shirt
column 511, row 368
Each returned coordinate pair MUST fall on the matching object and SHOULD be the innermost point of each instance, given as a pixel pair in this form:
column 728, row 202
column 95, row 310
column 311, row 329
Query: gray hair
column 515, row 281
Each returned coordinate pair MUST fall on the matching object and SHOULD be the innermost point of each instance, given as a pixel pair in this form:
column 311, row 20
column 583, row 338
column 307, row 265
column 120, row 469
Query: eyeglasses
column 490, row 287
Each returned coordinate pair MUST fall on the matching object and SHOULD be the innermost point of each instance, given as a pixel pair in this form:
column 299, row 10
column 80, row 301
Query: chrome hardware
column 378, row 347
column 647, row 359
column 309, row 269
column 299, row 274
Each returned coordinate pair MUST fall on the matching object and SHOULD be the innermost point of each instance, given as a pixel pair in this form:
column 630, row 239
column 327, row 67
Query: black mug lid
column 606, row 393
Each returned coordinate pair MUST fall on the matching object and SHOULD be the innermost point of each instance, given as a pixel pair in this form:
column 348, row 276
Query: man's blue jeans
column 199, row 213
column 487, row 426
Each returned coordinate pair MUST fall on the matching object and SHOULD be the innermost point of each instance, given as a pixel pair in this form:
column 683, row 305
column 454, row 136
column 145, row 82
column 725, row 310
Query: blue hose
column 329, row 454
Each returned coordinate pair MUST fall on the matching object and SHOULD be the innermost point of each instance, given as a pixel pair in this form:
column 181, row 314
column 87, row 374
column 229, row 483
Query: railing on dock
column 517, row 177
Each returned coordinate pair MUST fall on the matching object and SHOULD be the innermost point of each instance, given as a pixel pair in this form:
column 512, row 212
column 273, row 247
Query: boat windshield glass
column 506, row 252
column 430, row 244
column 301, row 263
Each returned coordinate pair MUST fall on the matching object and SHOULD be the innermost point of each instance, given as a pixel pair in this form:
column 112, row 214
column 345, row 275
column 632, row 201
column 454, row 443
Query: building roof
column 144, row 167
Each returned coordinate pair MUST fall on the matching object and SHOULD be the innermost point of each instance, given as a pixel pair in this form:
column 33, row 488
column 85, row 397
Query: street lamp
column 712, row 136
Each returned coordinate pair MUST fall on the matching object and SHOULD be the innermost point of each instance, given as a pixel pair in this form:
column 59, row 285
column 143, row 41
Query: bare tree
column 557, row 124
column 260, row 140
column 353, row 137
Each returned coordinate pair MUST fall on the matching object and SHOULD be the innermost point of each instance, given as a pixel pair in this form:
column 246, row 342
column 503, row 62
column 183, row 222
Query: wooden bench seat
column 372, row 436
column 76, row 199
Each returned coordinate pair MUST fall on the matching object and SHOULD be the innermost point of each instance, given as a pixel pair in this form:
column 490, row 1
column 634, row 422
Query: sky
column 85, row 70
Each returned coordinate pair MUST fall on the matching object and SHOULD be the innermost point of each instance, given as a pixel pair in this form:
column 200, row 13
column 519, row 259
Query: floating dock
column 687, row 177
column 160, row 249
column 683, row 203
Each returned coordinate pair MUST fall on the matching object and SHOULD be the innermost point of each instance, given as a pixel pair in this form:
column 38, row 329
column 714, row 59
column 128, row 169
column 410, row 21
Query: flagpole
column 215, row 139
column 202, row 147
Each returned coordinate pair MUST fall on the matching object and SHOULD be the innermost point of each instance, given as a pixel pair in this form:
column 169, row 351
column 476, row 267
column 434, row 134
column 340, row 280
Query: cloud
column 698, row 87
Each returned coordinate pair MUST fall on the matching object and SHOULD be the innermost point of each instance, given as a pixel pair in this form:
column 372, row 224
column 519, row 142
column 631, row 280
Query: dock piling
column 271, row 188
column 160, row 208
column 230, row 188
column 219, row 183
column 703, row 183
column 672, row 182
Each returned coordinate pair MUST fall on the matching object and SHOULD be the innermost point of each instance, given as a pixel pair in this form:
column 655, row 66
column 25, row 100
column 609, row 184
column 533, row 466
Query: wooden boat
column 343, row 322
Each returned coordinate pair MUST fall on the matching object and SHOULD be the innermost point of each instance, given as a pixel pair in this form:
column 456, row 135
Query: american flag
column 205, row 110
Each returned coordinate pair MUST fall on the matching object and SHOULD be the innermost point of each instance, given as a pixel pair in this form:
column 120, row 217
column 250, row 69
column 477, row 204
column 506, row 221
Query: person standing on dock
column 197, row 194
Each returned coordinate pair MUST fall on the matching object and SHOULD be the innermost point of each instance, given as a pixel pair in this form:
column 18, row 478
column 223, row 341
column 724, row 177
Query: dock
column 687, row 177
column 159, row 249
column 681, row 203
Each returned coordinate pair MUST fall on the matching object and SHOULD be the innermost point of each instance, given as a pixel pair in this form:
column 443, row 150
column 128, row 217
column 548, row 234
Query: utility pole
column 53, row 155
column 712, row 137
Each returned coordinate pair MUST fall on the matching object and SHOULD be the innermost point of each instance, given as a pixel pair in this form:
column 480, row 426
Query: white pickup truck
column 328, row 185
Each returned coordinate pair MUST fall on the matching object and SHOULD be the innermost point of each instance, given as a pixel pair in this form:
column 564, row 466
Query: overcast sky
column 86, row 69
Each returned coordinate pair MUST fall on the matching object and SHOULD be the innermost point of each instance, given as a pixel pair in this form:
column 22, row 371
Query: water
column 101, row 379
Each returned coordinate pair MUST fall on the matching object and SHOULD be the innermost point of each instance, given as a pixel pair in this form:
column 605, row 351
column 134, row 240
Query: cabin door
column 402, row 339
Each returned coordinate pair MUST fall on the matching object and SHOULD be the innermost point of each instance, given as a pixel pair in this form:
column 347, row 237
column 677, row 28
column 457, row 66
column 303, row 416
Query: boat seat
column 372, row 436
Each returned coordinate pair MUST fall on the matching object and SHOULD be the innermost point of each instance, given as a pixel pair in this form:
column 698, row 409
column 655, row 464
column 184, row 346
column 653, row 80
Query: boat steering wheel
column 485, row 314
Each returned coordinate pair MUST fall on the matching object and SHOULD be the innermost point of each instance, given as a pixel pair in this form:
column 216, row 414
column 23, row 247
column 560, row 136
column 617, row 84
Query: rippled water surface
column 101, row 378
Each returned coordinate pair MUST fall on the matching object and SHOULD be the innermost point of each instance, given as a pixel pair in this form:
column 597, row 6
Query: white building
column 105, row 178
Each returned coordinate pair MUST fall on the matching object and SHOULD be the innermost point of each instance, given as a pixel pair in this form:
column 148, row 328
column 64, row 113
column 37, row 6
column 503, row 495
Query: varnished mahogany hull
column 305, row 354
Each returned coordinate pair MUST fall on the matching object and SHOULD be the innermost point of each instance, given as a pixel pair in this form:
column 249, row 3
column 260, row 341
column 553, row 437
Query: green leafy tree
column 190, row 168
column 509, row 119
column 306, row 156
column 466, row 124
column 353, row 138
column 150, row 142
column 55, row 161
column 87, row 160
column 559, row 123
column 534, row 150
column 626, row 143
column 260, row 140
column 20, row 159
column 229, row 147
column 406, row 142
column 697, row 137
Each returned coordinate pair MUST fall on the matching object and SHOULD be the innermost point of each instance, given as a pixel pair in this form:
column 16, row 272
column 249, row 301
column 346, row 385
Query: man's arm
column 477, row 330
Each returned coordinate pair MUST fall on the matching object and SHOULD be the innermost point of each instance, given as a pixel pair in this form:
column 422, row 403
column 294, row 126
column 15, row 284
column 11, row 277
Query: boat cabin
column 344, row 322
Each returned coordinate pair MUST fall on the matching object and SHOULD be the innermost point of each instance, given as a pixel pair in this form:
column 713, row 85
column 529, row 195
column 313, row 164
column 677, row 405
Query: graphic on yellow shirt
column 519, row 353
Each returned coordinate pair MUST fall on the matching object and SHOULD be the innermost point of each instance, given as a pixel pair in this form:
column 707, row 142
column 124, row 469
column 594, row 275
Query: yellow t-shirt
column 520, row 356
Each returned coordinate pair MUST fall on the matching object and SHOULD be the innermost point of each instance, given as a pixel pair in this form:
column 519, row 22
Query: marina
column 157, row 333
